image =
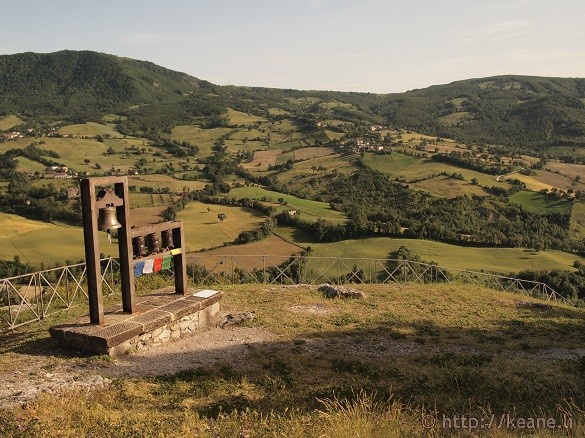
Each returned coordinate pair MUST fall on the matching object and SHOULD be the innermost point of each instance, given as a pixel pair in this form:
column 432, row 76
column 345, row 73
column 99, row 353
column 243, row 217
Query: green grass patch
column 203, row 229
column 502, row 260
column 9, row 122
column 577, row 228
column 90, row 129
column 50, row 243
column 308, row 209
column 161, row 181
column 202, row 138
column 447, row 187
column 241, row 118
column 539, row 203
column 29, row 166
column 412, row 168
column 451, row 119
column 335, row 104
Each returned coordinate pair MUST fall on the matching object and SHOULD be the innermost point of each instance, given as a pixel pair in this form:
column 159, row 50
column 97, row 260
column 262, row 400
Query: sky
column 378, row 46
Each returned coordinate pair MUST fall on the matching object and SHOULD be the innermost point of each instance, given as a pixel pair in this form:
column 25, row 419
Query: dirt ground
column 49, row 373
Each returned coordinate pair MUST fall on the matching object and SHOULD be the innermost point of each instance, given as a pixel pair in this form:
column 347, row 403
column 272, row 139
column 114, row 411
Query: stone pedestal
column 160, row 317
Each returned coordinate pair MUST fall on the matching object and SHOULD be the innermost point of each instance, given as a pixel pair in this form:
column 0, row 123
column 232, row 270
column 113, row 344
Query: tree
column 221, row 216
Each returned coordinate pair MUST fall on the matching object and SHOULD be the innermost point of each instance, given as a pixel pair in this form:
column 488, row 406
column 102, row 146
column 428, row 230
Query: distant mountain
column 84, row 84
column 522, row 112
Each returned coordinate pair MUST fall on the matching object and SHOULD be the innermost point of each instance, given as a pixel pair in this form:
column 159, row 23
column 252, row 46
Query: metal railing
column 33, row 297
column 225, row 269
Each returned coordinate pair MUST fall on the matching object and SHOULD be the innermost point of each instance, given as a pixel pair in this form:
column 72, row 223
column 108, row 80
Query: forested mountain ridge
column 84, row 84
column 520, row 112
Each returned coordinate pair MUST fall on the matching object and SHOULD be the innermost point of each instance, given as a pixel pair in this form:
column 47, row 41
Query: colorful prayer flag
column 138, row 268
column 157, row 264
column 148, row 266
column 166, row 263
column 175, row 251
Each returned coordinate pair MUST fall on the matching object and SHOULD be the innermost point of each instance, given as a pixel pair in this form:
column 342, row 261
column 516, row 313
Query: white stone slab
column 205, row 293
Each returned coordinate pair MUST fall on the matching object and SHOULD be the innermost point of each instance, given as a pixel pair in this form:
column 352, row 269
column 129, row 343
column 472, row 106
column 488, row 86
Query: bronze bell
column 107, row 219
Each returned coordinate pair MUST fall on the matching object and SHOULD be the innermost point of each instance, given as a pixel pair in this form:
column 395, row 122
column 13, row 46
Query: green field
column 160, row 181
column 204, row 230
column 29, row 166
column 577, row 228
column 411, row 168
column 202, row 138
column 501, row 260
column 9, row 122
column 50, row 243
column 539, row 203
column 240, row 118
column 90, row 129
column 36, row 241
column 299, row 177
column 308, row 209
column 447, row 187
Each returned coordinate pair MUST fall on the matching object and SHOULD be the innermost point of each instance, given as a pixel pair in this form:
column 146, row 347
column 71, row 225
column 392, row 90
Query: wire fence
column 226, row 269
column 33, row 297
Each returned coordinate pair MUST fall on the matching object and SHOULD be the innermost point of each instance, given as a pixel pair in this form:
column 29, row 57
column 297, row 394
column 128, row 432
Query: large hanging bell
column 107, row 219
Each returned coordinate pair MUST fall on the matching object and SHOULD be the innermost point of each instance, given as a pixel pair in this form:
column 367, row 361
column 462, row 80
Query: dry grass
column 12, row 225
column 567, row 169
column 247, row 256
column 375, row 367
column 262, row 159
column 312, row 152
column 531, row 182
column 557, row 180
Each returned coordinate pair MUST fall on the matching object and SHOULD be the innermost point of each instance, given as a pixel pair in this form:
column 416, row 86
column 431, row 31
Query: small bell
column 107, row 219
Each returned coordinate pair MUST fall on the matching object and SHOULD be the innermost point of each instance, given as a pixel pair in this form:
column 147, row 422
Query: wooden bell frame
column 91, row 203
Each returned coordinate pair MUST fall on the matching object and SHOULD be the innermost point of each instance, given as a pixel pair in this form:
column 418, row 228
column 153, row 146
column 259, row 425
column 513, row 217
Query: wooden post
column 92, row 252
column 180, row 261
column 125, row 249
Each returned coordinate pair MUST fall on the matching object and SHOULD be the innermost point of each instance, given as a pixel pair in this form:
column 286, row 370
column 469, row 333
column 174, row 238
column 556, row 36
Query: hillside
column 519, row 112
column 335, row 167
column 84, row 84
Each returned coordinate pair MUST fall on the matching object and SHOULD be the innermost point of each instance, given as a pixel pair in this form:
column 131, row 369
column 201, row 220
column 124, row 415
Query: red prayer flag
column 157, row 264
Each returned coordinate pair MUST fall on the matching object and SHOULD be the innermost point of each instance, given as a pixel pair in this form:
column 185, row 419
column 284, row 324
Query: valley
column 331, row 173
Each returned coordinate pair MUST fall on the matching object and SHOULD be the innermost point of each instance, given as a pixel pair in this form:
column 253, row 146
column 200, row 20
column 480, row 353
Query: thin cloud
column 316, row 4
column 147, row 39
column 499, row 31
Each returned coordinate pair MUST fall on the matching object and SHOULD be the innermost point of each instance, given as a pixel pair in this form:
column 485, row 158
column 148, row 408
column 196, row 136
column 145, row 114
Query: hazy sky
column 352, row 45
